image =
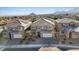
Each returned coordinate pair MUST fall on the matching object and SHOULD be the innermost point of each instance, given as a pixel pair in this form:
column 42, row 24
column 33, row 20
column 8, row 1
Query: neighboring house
column 43, row 28
column 75, row 33
column 13, row 30
column 68, row 29
column 72, row 32
column 66, row 22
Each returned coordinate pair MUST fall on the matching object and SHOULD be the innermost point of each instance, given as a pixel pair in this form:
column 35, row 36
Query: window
column 21, row 28
column 33, row 27
column 50, row 28
column 45, row 27
column 38, row 27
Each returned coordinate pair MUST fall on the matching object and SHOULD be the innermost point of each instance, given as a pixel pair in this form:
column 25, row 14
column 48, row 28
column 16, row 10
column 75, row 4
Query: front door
column 38, row 34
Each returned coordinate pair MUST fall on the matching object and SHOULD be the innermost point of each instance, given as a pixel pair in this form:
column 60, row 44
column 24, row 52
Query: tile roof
column 76, row 29
column 25, row 23
column 12, row 23
column 45, row 20
column 70, row 28
column 48, row 21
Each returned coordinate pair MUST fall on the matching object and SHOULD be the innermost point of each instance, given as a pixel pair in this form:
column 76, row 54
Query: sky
column 4, row 11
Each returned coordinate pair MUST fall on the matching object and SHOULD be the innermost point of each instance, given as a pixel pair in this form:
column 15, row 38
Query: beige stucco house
column 66, row 22
column 68, row 29
column 43, row 28
column 13, row 30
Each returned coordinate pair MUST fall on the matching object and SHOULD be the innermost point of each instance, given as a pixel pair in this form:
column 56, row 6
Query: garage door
column 17, row 36
column 46, row 35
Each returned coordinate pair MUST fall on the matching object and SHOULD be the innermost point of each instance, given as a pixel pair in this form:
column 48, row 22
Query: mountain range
column 72, row 11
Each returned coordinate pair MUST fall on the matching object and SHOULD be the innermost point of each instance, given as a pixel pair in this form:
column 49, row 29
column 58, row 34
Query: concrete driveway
column 13, row 42
column 45, row 41
column 38, row 41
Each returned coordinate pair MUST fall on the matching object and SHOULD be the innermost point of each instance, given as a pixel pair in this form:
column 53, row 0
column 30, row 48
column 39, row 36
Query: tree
column 28, row 37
